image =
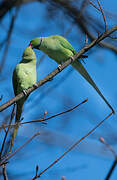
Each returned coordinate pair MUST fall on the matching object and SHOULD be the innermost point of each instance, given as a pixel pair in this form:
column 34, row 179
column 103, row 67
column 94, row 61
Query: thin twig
column 57, row 71
column 108, row 146
column 71, row 109
column 45, row 113
column 103, row 15
column 37, row 168
column 18, row 149
column 72, row 147
column 86, row 40
column 63, row 178
column 111, row 170
column 42, row 120
column 101, row 10
column 112, row 37
column 90, row 2
column 115, row 156
column 12, row 115
column 83, row 7
column 8, row 38
column 73, row 13
column 5, row 6
column 4, row 172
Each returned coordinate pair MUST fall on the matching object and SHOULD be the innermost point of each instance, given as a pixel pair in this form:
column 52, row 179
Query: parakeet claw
column 72, row 59
column 59, row 67
column 35, row 85
column 84, row 56
column 50, row 79
column 25, row 93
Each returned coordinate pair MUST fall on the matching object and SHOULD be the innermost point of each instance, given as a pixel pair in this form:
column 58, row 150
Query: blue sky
column 91, row 159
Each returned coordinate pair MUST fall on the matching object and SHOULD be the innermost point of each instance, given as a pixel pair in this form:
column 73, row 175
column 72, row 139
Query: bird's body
column 60, row 50
column 24, row 76
column 57, row 48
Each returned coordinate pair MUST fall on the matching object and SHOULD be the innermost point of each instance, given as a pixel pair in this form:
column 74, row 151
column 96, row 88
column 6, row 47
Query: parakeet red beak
column 30, row 45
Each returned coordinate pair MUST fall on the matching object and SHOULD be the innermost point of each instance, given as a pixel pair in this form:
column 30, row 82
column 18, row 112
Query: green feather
column 24, row 76
column 59, row 49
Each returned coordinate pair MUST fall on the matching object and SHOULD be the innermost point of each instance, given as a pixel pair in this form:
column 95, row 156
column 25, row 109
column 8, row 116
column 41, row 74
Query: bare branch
column 3, row 144
column 103, row 15
column 72, row 147
column 57, row 71
column 18, row 149
column 7, row 5
column 101, row 10
column 45, row 119
column 8, row 39
column 108, row 146
column 71, row 109
column 111, row 170
column 112, row 37
column 4, row 172
column 115, row 156
column 63, row 178
column 80, row 21
column 90, row 2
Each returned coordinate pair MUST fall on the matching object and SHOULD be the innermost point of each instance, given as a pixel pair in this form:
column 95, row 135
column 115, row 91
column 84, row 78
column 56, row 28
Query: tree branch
column 111, row 170
column 57, row 71
column 4, row 161
column 80, row 20
column 43, row 119
column 8, row 39
column 72, row 147
column 4, row 172
column 3, row 144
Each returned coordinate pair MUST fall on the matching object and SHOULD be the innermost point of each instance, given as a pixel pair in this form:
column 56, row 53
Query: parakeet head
column 29, row 54
column 35, row 43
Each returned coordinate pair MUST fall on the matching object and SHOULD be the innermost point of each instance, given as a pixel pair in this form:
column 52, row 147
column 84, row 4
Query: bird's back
column 57, row 48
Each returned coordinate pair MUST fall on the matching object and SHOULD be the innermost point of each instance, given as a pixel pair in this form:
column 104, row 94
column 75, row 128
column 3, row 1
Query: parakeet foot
column 35, row 85
column 25, row 92
column 84, row 56
column 50, row 79
column 72, row 59
column 59, row 67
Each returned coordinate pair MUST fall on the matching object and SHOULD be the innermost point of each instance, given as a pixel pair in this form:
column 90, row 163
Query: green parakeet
column 24, row 76
column 59, row 49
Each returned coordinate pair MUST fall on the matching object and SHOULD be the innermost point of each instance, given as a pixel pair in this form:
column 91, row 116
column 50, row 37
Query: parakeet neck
column 44, row 44
column 38, row 47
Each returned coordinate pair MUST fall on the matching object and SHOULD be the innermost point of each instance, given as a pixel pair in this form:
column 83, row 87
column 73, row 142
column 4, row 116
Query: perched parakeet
column 59, row 49
column 24, row 76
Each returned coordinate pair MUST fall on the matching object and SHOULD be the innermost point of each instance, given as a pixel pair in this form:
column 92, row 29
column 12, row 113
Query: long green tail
column 80, row 68
column 17, row 119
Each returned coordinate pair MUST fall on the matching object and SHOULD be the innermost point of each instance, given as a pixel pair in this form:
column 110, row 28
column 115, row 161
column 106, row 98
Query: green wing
column 15, row 82
column 64, row 43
